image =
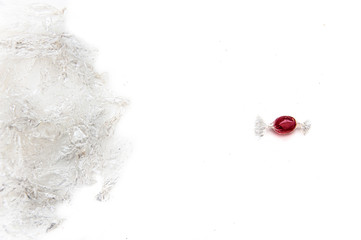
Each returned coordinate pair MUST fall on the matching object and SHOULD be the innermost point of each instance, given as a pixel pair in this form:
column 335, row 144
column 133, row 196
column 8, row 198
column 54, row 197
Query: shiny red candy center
column 284, row 125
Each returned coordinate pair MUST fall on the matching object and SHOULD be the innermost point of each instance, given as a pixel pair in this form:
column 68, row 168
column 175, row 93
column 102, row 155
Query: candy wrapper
column 57, row 120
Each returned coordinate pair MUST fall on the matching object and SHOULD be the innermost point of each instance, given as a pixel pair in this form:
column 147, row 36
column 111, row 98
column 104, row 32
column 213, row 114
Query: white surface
column 198, row 73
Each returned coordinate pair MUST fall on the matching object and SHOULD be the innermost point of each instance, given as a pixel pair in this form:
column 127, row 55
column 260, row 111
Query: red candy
column 284, row 125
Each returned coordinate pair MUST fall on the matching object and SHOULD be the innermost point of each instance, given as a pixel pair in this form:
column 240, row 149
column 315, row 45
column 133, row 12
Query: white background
column 198, row 73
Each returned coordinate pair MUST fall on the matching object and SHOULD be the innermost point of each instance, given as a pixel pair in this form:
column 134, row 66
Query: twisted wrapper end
column 260, row 127
column 305, row 126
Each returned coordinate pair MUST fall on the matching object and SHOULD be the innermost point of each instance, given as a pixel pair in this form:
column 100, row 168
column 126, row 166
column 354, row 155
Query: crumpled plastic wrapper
column 57, row 121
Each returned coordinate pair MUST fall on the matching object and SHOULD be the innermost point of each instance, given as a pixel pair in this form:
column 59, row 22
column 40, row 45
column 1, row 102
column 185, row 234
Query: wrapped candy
column 282, row 125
